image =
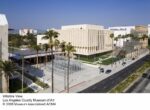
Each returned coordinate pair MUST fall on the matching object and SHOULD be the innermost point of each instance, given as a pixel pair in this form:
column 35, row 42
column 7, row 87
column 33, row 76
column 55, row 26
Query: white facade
column 3, row 49
column 3, row 37
column 24, row 32
column 87, row 39
column 40, row 40
column 122, row 30
column 149, row 30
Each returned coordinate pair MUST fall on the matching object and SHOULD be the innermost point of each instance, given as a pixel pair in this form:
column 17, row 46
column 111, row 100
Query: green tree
column 46, row 47
column 51, row 36
column 112, row 37
column 69, row 49
column 62, row 47
column 30, row 39
column 56, row 44
column 8, row 68
column 37, row 48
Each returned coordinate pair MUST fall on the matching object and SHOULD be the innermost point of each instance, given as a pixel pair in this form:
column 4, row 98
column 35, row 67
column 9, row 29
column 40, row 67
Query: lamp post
column 22, row 57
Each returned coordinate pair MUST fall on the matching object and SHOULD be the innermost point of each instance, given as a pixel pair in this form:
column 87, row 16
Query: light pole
column 22, row 57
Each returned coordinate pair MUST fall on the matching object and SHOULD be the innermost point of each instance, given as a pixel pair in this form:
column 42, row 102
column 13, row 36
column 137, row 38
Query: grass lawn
column 94, row 58
column 110, row 61
column 16, row 87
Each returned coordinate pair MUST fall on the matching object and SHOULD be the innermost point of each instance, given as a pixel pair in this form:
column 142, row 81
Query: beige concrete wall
column 3, row 38
column 87, row 39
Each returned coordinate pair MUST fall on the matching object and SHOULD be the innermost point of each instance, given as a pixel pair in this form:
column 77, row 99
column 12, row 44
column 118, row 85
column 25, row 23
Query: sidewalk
column 115, row 69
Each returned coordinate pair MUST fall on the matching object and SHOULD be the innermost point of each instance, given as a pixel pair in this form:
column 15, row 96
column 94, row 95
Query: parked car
column 133, row 58
column 148, row 77
column 144, row 75
column 102, row 70
column 108, row 71
column 124, row 63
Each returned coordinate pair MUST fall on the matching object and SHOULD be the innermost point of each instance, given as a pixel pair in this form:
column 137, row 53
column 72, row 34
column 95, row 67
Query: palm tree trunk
column 37, row 60
column 68, row 73
column 7, row 83
column 65, row 80
column 112, row 52
column 52, row 69
column 45, row 58
column 22, row 72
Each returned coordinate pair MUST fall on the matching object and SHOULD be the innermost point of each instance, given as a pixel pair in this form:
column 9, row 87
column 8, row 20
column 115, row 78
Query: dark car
column 144, row 75
column 108, row 71
column 148, row 77
column 133, row 58
column 124, row 63
column 102, row 70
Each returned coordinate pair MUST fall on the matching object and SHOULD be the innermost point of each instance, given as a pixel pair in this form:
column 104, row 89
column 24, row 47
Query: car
column 124, row 63
column 108, row 71
column 133, row 58
column 102, row 70
column 144, row 75
column 148, row 77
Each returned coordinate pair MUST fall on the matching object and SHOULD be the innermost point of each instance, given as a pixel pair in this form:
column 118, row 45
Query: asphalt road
column 140, row 85
column 107, row 84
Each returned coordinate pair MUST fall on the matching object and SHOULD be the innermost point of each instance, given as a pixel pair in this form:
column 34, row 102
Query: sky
column 44, row 14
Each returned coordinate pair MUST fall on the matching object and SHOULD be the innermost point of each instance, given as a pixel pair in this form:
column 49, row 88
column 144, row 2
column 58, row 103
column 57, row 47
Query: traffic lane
column 140, row 85
column 106, row 84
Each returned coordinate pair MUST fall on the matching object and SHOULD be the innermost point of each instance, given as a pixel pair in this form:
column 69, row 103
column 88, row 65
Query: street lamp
column 22, row 57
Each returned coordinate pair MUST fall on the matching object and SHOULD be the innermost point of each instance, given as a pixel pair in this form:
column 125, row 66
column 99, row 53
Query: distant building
column 87, row 39
column 121, row 30
column 3, row 48
column 24, row 32
column 149, row 30
column 140, row 30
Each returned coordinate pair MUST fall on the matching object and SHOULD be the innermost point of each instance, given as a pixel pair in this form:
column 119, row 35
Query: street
column 110, row 82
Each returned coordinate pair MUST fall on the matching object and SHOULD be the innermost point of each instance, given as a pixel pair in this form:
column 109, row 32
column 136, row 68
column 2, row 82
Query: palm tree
column 51, row 36
column 56, row 44
column 112, row 37
column 7, row 68
column 116, row 39
column 37, row 48
column 62, row 46
column 30, row 39
column 69, row 49
column 119, row 38
column 46, row 47
column 135, row 38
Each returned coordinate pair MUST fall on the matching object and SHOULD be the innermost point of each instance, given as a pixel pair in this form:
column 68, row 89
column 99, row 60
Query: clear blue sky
column 43, row 14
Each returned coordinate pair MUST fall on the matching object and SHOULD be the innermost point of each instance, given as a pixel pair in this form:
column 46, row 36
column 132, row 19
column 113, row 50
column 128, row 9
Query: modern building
column 87, row 39
column 3, row 48
column 140, row 30
column 121, row 30
column 24, row 32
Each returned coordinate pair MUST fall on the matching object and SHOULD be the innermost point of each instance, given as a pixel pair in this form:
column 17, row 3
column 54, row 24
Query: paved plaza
column 84, row 76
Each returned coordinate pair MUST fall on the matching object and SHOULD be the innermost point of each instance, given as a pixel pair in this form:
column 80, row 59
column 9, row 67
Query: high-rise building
column 87, row 39
column 3, row 48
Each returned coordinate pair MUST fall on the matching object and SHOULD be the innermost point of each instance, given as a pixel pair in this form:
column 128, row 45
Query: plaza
column 82, row 75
